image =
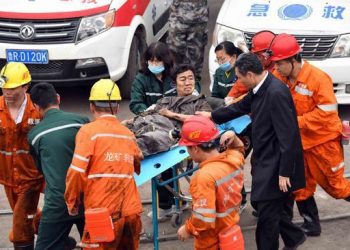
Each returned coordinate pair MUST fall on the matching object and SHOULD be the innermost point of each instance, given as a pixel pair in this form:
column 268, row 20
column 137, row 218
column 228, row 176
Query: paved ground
column 335, row 232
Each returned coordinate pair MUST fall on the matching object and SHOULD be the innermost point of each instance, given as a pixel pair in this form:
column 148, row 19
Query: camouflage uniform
column 188, row 32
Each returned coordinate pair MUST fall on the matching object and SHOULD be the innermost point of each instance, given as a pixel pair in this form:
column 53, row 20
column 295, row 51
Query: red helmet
column 197, row 130
column 284, row 46
column 261, row 41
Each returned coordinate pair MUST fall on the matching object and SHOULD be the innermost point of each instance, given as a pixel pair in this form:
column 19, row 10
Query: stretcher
column 152, row 166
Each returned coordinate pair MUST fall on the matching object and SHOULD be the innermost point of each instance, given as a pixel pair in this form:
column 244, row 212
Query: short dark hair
column 44, row 95
column 178, row 69
column 249, row 62
column 229, row 48
column 161, row 52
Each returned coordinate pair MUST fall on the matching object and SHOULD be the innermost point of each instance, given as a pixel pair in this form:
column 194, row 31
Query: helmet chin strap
column 109, row 100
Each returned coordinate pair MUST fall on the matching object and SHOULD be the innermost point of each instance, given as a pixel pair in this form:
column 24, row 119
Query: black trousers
column 166, row 198
column 274, row 220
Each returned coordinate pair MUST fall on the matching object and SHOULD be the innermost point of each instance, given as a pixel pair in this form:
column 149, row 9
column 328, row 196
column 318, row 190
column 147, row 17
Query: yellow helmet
column 13, row 75
column 105, row 90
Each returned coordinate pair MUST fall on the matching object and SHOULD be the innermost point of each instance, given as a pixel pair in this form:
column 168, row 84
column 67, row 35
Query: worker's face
column 194, row 153
column 185, row 83
column 248, row 80
column 13, row 95
column 263, row 58
column 284, row 67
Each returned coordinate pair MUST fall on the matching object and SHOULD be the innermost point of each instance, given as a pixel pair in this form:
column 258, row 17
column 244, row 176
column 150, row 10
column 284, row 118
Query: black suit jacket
column 276, row 140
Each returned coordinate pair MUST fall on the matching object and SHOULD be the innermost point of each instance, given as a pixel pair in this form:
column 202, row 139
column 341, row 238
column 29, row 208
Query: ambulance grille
column 314, row 47
column 45, row 31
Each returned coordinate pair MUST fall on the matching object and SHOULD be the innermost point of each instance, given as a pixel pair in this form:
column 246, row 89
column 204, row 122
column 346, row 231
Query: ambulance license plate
column 27, row 56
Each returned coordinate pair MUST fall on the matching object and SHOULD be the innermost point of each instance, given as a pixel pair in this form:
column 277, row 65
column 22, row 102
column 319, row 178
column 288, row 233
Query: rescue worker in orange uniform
column 319, row 124
column 216, row 187
column 105, row 158
column 18, row 173
column 260, row 43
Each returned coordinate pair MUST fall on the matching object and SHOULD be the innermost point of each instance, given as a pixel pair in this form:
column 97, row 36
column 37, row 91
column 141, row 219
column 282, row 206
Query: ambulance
column 78, row 41
column 322, row 28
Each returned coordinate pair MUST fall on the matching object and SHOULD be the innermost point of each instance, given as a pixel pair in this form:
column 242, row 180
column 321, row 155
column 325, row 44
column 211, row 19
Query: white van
column 72, row 41
column 322, row 28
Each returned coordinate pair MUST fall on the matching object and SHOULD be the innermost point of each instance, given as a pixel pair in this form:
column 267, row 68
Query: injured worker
column 152, row 128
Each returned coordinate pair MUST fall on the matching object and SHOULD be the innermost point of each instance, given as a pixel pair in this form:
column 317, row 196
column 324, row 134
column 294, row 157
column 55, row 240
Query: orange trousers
column 24, row 202
column 127, row 235
column 324, row 165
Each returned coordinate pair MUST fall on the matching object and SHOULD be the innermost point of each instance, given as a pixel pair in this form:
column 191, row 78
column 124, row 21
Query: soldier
column 188, row 32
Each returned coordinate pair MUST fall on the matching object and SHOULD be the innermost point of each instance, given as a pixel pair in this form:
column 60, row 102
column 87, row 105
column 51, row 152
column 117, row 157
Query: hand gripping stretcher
column 152, row 166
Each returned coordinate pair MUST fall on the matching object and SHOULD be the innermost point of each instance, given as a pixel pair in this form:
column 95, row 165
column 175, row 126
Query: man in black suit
column 277, row 160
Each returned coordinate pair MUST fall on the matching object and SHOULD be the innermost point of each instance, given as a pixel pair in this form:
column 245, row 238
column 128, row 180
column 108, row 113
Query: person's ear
column 58, row 99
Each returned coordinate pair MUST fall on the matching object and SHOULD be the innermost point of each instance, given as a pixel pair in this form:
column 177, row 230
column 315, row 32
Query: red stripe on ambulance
column 56, row 15
column 128, row 10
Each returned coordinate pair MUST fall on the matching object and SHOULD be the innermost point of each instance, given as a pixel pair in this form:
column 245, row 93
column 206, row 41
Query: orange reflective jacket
column 16, row 163
column 102, row 168
column 316, row 105
column 216, row 193
column 237, row 90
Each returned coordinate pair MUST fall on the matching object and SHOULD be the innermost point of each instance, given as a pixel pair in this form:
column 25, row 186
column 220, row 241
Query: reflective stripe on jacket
column 316, row 105
column 17, row 165
column 216, row 193
column 103, row 166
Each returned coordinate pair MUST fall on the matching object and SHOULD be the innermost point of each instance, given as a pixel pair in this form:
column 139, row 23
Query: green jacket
column 147, row 90
column 52, row 144
column 223, row 82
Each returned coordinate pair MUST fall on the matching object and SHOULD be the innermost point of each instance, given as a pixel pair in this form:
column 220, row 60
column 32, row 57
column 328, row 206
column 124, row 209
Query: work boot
column 308, row 210
column 297, row 245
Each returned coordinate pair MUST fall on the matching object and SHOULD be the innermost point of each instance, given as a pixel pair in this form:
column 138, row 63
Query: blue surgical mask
column 226, row 66
column 156, row 69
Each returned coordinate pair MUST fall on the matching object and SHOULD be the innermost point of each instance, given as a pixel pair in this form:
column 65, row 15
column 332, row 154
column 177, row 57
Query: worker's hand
column 183, row 234
column 227, row 138
column 74, row 211
column 284, row 183
column 165, row 112
column 127, row 122
column 152, row 107
column 228, row 100
column 204, row 113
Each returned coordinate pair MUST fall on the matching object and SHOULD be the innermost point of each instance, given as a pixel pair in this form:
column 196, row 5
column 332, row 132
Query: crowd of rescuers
column 85, row 169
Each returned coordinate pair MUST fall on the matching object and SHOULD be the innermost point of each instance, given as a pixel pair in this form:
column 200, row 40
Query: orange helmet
column 197, row 130
column 261, row 41
column 284, row 46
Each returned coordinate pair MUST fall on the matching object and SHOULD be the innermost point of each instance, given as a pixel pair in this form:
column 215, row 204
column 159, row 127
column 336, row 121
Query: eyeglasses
column 222, row 60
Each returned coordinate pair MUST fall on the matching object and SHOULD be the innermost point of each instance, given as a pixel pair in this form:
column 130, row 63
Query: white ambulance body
column 322, row 28
column 72, row 41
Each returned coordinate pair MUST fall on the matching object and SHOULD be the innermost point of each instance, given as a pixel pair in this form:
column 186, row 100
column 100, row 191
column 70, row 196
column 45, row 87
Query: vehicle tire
column 138, row 46
column 176, row 220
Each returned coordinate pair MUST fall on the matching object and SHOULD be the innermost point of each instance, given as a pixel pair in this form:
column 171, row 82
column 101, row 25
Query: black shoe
column 311, row 228
column 71, row 243
column 297, row 245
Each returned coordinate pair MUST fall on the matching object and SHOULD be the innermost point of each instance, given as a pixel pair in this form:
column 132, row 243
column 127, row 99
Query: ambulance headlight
column 342, row 47
column 93, row 25
column 223, row 33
